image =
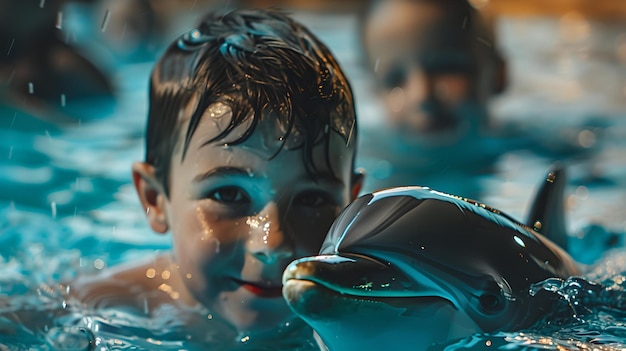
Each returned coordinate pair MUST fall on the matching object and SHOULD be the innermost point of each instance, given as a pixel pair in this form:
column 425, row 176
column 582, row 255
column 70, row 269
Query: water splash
column 579, row 293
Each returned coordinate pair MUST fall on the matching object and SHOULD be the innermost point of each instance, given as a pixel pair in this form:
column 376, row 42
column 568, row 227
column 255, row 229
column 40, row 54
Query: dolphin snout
column 351, row 274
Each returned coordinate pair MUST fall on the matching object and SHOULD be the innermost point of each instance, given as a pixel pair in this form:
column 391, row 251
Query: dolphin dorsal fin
column 547, row 214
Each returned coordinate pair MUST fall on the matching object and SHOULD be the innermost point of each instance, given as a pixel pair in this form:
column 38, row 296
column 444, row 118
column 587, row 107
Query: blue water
column 67, row 205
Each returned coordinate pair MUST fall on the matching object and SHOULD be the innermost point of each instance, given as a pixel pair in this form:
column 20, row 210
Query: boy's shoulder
column 140, row 286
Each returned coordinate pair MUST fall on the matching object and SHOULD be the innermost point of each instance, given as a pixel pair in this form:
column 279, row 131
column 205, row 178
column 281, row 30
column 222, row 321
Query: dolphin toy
column 409, row 267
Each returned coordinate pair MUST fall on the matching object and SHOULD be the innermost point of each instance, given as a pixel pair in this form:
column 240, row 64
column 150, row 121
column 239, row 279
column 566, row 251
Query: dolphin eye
column 491, row 303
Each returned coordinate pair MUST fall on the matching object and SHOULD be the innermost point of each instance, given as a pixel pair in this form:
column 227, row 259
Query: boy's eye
column 312, row 199
column 449, row 64
column 230, row 195
column 395, row 77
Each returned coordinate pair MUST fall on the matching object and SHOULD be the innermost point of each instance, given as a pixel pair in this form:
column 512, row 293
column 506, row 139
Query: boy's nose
column 419, row 86
column 268, row 241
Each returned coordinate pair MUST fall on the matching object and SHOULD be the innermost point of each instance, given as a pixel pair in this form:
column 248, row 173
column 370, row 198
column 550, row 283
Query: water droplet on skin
column 207, row 233
column 218, row 110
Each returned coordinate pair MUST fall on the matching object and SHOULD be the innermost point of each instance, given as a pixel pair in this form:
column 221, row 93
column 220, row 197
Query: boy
column 249, row 158
column 435, row 64
column 435, row 67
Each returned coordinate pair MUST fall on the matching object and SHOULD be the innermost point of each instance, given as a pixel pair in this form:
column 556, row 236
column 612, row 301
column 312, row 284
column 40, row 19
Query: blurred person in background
column 42, row 74
column 435, row 66
column 135, row 31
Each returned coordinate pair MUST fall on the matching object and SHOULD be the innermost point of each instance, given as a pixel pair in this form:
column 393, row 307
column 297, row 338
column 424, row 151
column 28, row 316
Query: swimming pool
column 67, row 204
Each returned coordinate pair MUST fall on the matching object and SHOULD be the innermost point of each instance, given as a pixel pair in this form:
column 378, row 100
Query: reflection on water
column 67, row 206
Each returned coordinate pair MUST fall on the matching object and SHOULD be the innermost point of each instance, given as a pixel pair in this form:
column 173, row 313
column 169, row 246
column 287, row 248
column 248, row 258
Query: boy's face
column 238, row 217
column 426, row 71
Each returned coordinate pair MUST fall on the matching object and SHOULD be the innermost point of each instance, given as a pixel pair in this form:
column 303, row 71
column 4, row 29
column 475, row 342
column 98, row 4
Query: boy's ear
column 151, row 196
column 357, row 183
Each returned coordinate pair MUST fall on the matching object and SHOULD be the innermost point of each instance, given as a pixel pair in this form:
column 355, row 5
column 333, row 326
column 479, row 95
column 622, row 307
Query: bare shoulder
column 138, row 285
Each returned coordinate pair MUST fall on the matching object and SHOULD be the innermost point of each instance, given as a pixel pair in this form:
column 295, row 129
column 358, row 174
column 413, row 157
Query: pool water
column 67, row 205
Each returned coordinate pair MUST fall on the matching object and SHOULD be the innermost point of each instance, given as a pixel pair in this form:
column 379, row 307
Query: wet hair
column 262, row 65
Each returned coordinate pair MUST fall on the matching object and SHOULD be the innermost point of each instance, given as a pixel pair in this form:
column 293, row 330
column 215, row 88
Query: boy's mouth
column 261, row 290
